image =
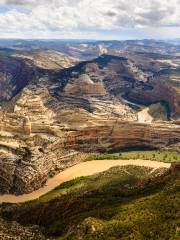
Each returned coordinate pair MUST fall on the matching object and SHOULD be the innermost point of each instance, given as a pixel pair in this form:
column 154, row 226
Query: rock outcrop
column 15, row 74
column 115, row 135
column 84, row 86
column 60, row 116
column 27, row 161
column 160, row 89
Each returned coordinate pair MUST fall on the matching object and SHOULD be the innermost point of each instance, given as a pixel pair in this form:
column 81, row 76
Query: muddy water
column 82, row 169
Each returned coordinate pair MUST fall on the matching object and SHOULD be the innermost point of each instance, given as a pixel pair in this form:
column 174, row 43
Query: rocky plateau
column 54, row 111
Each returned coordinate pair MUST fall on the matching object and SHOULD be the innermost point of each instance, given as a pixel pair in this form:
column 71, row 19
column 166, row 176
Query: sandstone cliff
column 61, row 115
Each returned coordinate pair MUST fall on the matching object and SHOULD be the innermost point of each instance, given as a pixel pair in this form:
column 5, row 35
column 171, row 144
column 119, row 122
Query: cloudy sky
column 90, row 19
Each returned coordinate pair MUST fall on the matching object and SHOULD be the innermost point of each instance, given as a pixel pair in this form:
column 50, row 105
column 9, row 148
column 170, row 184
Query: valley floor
column 124, row 202
column 82, row 169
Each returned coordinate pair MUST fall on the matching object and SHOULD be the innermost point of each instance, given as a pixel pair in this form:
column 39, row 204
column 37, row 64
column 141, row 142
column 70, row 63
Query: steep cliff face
column 114, row 135
column 54, row 121
column 27, row 131
column 116, row 77
column 160, row 89
column 15, row 74
column 84, row 86
column 97, row 86
column 106, row 69
column 27, row 161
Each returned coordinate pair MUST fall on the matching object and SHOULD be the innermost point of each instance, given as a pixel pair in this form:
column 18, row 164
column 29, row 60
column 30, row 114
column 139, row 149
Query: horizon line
column 89, row 39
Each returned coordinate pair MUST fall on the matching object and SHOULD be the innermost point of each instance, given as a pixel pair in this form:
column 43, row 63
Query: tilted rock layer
column 59, row 116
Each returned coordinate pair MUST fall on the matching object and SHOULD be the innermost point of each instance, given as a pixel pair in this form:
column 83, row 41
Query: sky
column 89, row 19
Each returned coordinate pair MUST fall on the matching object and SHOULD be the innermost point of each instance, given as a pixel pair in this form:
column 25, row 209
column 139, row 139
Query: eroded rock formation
column 56, row 119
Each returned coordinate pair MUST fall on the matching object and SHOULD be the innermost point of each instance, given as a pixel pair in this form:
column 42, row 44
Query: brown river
column 81, row 169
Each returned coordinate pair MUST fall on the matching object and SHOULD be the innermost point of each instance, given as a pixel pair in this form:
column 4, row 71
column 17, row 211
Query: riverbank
column 82, row 169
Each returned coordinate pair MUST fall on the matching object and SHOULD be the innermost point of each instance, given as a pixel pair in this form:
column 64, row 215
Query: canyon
column 89, row 139
column 56, row 109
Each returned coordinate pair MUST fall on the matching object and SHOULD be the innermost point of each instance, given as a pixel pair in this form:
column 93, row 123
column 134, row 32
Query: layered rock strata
column 56, row 120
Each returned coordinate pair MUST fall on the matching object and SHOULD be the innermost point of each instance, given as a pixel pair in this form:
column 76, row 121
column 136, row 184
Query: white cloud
column 56, row 17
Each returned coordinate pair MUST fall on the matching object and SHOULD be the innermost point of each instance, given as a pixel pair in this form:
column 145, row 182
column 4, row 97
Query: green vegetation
column 159, row 111
column 57, row 191
column 128, row 202
column 155, row 155
column 68, row 184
